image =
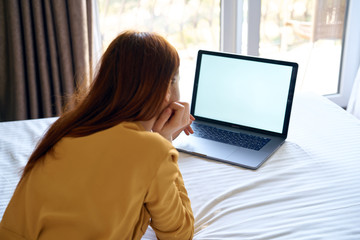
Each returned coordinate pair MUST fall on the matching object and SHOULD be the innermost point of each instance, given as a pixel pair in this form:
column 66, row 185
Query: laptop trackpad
column 203, row 147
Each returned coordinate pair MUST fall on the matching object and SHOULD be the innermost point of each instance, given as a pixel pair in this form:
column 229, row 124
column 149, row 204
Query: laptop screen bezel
column 291, row 91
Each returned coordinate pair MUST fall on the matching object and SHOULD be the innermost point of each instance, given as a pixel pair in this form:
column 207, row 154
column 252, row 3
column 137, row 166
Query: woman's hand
column 174, row 119
column 187, row 130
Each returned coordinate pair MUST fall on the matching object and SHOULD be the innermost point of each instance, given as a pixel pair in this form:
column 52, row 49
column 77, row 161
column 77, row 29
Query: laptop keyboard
column 229, row 137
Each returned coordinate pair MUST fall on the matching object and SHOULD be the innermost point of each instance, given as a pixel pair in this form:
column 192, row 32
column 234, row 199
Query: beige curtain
column 46, row 50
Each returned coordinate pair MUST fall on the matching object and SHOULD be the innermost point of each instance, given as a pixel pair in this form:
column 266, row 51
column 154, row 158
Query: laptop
column 242, row 107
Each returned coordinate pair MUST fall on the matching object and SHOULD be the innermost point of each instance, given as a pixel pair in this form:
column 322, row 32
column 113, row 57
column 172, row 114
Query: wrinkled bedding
column 309, row 189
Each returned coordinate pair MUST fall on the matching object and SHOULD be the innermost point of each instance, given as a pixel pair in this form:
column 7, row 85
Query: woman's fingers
column 187, row 130
column 173, row 120
column 162, row 120
column 181, row 115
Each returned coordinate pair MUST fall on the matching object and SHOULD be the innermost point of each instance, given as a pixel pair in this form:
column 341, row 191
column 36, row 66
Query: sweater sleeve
column 168, row 203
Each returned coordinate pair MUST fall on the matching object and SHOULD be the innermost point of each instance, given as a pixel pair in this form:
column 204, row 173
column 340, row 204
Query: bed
column 309, row 189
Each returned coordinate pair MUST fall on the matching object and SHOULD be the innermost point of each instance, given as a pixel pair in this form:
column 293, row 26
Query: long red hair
column 130, row 85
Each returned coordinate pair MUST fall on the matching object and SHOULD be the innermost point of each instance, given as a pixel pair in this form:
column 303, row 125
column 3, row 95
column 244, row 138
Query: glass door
column 309, row 32
column 304, row 31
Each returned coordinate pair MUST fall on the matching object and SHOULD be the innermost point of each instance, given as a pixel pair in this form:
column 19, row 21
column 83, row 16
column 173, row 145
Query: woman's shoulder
column 134, row 132
column 123, row 137
column 150, row 144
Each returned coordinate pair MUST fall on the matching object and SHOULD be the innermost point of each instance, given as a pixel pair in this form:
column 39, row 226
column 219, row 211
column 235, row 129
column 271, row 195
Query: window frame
column 231, row 40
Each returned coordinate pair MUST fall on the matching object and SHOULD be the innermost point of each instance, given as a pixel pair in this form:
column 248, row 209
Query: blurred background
column 309, row 32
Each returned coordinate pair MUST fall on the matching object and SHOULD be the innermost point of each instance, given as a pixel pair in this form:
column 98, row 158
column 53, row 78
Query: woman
column 106, row 169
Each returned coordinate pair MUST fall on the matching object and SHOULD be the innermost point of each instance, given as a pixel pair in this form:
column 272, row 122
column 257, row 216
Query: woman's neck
column 148, row 125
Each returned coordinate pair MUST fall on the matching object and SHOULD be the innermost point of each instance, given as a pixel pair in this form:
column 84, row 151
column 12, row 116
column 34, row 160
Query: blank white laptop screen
column 243, row 92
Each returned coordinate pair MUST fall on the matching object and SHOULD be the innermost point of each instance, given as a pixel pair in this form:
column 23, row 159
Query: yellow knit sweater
column 108, row 185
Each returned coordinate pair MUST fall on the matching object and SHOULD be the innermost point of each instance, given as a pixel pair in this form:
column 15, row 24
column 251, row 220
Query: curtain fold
column 354, row 101
column 47, row 49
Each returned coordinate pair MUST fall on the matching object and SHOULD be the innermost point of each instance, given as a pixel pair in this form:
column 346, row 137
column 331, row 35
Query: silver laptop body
column 242, row 107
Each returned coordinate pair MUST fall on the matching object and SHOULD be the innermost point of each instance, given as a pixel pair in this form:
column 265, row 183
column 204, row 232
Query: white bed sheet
column 17, row 140
column 309, row 189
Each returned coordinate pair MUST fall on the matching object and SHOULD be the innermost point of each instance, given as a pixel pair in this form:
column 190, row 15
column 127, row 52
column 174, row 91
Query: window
column 189, row 25
column 276, row 29
column 318, row 34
